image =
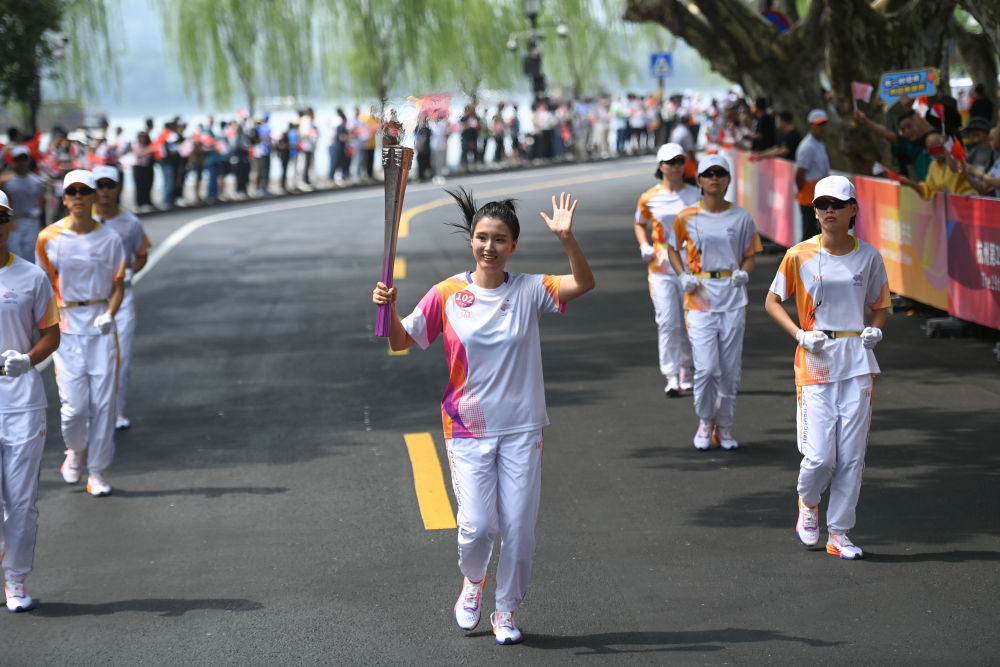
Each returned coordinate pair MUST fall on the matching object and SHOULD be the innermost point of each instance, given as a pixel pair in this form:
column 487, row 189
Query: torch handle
column 396, row 162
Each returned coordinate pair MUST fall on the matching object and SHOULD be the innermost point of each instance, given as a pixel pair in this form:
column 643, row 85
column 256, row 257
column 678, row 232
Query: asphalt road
column 264, row 509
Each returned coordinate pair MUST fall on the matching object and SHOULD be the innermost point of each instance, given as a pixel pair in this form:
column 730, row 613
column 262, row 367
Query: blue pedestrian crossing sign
column 661, row 65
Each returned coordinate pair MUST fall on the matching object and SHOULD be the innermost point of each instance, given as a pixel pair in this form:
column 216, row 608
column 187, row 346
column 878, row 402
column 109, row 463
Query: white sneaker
column 686, row 379
column 703, row 438
column 807, row 527
column 96, row 486
column 122, row 423
column 673, row 389
column 71, row 467
column 724, row 438
column 468, row 604
column 17, row 599
column 504, row 629
column 841, row 545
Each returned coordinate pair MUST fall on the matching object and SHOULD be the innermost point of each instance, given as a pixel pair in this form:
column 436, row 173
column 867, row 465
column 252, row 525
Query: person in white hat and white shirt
column 811, row 164
column 721, row 240
column 658, row 206
column 24, row 191
column 107, row 210
column 27, row 309
column 85, row 261
column 834, row 278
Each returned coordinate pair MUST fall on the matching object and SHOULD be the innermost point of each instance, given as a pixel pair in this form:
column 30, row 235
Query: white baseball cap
column 4, row 203
column 81, row 176
column 837, row 187
column 713, row 160
column 18, row 151
column 105, row 171
column 668, row 152
column 817, row 116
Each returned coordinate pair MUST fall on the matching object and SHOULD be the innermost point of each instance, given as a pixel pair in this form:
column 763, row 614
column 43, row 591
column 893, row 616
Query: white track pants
column 833, row 420
column 86, row 370
column 717, row 348
column 498, row 483
column 22, row 439
column 668, row 304
column 125, row 324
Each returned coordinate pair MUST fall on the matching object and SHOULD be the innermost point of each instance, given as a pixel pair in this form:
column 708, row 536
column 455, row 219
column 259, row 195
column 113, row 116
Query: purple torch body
column 396, row 162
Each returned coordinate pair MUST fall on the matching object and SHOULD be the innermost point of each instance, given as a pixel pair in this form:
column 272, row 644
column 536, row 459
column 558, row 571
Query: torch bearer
column 396, row 162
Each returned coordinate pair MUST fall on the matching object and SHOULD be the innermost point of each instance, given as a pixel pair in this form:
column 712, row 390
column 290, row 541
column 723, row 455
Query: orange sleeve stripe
column 51, row 316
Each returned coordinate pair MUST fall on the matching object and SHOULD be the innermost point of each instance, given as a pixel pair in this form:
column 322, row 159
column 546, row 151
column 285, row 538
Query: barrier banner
column 974, row 259
column 910, row 236
column 778, row 221
column 766, row 189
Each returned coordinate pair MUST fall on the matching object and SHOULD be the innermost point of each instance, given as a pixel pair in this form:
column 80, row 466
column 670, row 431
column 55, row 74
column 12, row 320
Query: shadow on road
column 649, row 642
column 934, row 557
column 206, row 491
column 161, row 606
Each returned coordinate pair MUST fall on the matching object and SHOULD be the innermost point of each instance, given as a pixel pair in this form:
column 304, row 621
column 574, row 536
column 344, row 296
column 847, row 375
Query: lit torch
column 396, row 162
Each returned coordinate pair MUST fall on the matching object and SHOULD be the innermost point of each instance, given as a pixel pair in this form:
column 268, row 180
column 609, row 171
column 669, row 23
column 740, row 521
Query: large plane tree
column 829, row 44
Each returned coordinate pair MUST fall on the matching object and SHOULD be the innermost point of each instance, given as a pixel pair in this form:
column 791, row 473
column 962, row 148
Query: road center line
column 428, row 481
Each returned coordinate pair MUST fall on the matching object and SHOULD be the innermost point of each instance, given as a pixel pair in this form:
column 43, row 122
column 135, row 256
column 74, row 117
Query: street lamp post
column 533, row 58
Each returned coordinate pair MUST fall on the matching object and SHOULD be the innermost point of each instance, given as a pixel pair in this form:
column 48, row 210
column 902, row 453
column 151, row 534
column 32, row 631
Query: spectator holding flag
column 945, row 173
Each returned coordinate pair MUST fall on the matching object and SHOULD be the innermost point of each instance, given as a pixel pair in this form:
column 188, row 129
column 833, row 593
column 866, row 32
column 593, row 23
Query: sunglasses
column 106, row 185
column 715, row 173
column 826, row 204
column 4, row 218
column 677, row 161
column 73, row 191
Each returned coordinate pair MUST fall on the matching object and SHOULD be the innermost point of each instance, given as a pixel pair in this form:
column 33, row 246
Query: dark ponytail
column 503, row 210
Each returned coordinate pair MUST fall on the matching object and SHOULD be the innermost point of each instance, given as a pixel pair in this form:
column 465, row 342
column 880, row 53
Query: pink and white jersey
column 831, row 293
column 493, row 349
column 82, row 268
column 27, row 303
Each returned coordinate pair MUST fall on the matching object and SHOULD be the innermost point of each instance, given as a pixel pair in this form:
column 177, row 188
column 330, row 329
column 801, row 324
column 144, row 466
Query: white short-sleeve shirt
column 831, row 293
column 27, row 303
column 493, row 350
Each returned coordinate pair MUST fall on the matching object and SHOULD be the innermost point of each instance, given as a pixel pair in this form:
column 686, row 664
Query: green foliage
column 601, row 50
column 68, row 40
column 25, row 47
column 249, row 45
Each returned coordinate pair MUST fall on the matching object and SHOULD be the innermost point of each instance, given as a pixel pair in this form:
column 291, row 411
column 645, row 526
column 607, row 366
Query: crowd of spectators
column 250, row 156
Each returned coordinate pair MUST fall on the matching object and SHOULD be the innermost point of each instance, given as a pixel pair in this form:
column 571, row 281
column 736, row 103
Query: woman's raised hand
column 561, row 222
column 382, row 295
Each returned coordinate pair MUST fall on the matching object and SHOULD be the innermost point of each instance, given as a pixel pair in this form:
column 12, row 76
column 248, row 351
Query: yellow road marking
column 428, row 480
column 399, row 268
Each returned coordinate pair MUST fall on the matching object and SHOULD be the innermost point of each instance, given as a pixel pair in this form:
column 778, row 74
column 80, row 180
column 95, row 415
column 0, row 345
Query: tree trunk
column 34, row 105
column 987, row 12
column 978, row 57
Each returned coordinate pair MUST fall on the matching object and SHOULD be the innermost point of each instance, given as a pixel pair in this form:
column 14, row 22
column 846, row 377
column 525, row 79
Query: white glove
column 647, row 252
column 811, row 341
column 870, row 337
column 689, row 282
column 739, row 277
column 15, row 363
column 104, row 322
